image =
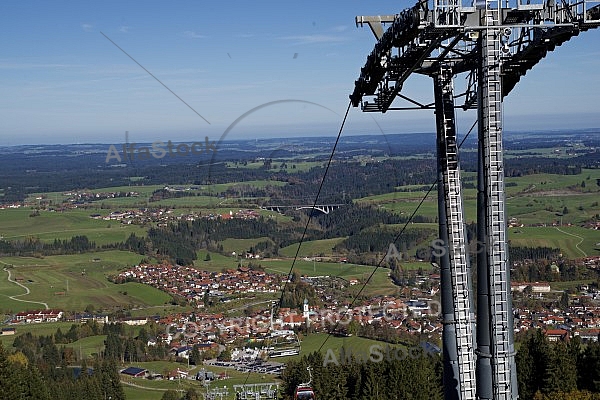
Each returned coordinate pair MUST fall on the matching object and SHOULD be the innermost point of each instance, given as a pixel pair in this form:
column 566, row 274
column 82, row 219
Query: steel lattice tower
column 494, row 43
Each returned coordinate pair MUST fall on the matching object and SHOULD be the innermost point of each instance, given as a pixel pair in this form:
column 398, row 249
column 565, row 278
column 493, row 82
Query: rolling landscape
column 63, row 247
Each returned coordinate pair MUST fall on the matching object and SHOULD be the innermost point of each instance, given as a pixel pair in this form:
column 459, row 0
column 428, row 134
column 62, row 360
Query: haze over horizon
column 64, row 82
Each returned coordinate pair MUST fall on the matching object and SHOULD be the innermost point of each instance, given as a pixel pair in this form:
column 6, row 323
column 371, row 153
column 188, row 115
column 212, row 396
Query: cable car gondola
column 304, row 391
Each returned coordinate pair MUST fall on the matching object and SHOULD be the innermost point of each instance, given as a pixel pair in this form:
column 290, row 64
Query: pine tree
column 374, row 388
column 10, row 379
column 191, row 394
column 532, row 363
column 170, row 395
column 561, row 371
column 111, row 382
column 36, row 387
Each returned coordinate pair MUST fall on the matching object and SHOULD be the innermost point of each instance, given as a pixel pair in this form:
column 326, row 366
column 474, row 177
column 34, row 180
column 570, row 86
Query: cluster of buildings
column 211, row 331
column 193, row 284
column 142, row 216
column 562, row 325
column 84, row 196
column 10, row 205
column 38, row 316
column 162, row 216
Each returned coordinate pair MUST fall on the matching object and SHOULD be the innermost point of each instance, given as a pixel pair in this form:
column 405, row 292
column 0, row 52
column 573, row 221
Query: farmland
column 71, row 282
column 532, row 200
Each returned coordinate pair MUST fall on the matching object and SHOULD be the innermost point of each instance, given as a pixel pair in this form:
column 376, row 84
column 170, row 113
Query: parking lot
column 257, row 366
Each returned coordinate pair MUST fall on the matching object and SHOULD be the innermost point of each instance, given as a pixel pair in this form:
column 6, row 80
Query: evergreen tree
column 195, row 356
column 191, row 394
column 561, row 371
column 110, row 380
column 36, row 387
column 532, row 362
column 10, row 379
column 170, row 395
column 589, row 368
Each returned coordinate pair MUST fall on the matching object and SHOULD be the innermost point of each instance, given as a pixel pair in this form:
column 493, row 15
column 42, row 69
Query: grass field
column 324, row 343
column 405, row 203
column 88, row 346
column 70, row 282
column 379, row 283
column 575, row 242
column 312, row 248
column 17, row 224
column 549, row 182
column 239, row 246
column 209, row 199
column 534, row 199
column 535, row 208
column 217, row 261
column 35, row 329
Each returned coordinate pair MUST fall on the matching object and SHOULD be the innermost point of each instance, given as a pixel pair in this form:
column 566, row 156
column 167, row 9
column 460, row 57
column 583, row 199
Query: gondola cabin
column 304, row 393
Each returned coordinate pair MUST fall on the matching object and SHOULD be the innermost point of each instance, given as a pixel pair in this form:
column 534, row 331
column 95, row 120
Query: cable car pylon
column 494, row 43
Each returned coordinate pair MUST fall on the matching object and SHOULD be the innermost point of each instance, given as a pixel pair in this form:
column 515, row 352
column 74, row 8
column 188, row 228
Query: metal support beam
column 504, row 383
column 457, row 305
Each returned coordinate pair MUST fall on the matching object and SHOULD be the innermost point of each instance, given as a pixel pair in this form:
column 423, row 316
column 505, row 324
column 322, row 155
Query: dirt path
column 24, row 294
column 578, row 237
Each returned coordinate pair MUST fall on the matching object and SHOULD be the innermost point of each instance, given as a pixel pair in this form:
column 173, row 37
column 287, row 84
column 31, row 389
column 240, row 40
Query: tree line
column 32, row 246
column 545, row 371
column 49, row 378
column 560, row 370
column 345, row 376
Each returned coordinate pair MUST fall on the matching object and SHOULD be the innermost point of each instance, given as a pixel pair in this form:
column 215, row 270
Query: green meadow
column 312, row 248
column 71, row 282
column 17, row 224
column 575, row 242
column 548, row 199
column 324, row 343
column 239, row 246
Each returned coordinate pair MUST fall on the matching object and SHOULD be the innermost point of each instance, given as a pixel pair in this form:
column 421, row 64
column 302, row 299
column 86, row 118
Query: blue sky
column 61, row 81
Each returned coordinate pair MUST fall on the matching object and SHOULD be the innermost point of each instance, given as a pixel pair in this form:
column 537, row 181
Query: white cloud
column 339, row 28
column 124, row 29
column 310, row 39
column 193, row 35
column 17, row 65
column 87, row 27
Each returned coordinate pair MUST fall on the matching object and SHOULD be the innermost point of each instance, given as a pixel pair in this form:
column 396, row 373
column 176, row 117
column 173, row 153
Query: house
column 37, row 316
column 555, row 335
column 8, row 331
column 183, row 351
column 540, row 287
column 135, row 372
column 135, row 321
column 293, row 320
column 588, row 335
column 177, row 374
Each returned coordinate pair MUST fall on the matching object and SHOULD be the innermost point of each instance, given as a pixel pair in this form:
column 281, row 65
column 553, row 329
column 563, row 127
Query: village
column 413, row 312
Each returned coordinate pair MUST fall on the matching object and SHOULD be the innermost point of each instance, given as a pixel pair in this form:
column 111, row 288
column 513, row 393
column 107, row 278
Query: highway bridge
column 324, row 208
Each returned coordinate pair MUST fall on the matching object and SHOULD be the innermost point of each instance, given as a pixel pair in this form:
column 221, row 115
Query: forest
column 44, row 170
column 546, row 371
